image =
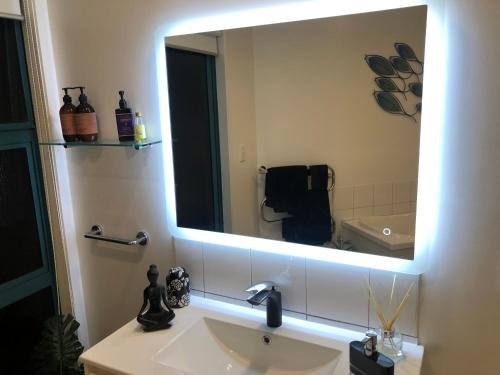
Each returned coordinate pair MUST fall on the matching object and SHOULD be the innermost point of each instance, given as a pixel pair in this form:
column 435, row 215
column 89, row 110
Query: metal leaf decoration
column 405, row 51
column 380, row 65
column 394, row 68
column 401, row 65
column 387, row 84
column 388, row 102
column 416, row 88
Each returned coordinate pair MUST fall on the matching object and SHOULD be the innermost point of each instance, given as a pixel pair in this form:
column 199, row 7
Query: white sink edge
column 130, row 351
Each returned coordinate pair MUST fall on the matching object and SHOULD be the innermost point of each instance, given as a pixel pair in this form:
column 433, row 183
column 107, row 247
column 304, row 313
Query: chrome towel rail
column 263, row 170
column 96, row 234
column 263, row 217
column 331, row 175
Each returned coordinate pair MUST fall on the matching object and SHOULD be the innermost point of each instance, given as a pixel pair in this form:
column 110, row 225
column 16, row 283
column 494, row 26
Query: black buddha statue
column 156, row 317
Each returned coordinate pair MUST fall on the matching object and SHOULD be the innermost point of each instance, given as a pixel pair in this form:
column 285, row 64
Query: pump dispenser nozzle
column 122, row 103
column 66, row 97
column 82, row 97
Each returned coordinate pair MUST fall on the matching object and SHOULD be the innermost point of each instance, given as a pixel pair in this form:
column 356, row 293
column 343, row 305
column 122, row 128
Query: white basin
column 212, row 337
column 212, row 346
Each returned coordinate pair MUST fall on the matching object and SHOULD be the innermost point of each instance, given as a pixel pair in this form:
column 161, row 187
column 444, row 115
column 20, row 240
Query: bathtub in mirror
column 305, row 131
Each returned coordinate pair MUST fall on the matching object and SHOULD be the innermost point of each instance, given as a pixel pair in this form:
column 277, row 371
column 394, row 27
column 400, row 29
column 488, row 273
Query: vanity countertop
column 131, row 351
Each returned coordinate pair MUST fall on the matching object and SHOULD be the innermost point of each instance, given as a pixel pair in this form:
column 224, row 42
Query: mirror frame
column 430, row 138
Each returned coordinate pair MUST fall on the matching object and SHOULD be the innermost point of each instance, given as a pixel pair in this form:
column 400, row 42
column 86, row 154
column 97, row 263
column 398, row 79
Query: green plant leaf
column 386, row 84
column 380, row 65
column 388, row 102
column 59, row 349
column 405, row 51
column 416, row 88
column 400, row 64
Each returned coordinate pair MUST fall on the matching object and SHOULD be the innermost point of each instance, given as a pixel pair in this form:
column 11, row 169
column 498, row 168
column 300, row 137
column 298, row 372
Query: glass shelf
column 101, row 143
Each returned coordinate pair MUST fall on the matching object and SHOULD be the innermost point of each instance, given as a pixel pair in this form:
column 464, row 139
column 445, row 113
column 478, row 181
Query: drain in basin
column 266, row 340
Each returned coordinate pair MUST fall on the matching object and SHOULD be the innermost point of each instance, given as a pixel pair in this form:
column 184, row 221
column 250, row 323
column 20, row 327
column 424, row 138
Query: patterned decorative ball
column 178, row 287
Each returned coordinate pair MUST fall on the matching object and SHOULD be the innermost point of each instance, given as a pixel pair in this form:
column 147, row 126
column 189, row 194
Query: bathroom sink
column 212, row 346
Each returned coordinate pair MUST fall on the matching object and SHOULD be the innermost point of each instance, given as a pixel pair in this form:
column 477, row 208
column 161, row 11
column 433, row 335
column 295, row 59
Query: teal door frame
column 215, row 143
column 23, row 135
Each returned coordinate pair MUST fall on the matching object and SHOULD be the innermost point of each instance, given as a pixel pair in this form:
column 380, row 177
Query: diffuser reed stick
column 387, row 324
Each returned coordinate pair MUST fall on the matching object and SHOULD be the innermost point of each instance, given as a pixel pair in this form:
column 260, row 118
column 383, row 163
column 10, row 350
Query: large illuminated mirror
column 305, row 132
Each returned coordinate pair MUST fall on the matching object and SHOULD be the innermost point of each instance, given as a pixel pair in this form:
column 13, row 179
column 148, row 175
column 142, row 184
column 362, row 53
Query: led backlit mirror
column 306, row 132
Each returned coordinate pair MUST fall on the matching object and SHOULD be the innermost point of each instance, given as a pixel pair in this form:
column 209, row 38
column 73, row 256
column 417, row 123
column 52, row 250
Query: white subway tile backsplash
column 189, row 254
column 337, row 292
column 401, row 192
column 382, row 194
column 401, row 208
column 382, row 284
column 383, row 210
column 361, row 329
column 328, row 293
column 197, row 293
column 363, row 196
column 343, row 198
column 288, row 272
column 291, row 314
column 232, row 301
column 363, row 211
column 227, row 270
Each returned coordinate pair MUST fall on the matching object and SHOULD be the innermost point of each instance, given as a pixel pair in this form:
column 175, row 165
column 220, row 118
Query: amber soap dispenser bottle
column 67, row 116
column 86, row 119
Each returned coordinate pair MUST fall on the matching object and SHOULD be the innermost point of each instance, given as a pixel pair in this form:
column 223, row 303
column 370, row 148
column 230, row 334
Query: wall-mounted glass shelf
column 101, row 143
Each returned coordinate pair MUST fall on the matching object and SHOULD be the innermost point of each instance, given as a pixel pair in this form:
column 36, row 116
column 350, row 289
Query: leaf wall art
column 396, row 77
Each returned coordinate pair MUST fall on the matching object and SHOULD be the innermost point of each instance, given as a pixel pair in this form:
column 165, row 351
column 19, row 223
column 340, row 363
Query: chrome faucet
column 266, row 290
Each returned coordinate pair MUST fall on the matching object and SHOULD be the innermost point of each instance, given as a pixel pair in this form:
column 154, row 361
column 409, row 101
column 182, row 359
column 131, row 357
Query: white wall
column 461, row 290
column 304, row 96
column 314, row 102
column 239, row 101
column 120, row 189
column 109, row 45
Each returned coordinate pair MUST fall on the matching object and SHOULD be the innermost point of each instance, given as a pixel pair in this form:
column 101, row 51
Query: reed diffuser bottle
column 390, row 340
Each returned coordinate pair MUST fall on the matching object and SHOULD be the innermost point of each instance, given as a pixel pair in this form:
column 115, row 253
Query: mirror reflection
column 305, row 132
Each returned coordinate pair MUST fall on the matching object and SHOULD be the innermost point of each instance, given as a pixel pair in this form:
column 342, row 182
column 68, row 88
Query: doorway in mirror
column 195, row 139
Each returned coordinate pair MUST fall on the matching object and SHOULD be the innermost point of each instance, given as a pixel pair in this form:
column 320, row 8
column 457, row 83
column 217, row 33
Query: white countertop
column 129, row 350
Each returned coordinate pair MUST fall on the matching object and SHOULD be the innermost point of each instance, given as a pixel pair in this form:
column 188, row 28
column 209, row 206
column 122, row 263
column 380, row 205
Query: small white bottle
column 139, row 129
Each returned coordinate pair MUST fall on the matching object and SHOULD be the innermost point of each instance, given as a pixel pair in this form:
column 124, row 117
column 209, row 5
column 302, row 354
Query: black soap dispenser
column 365, row 359
column 124, row 120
